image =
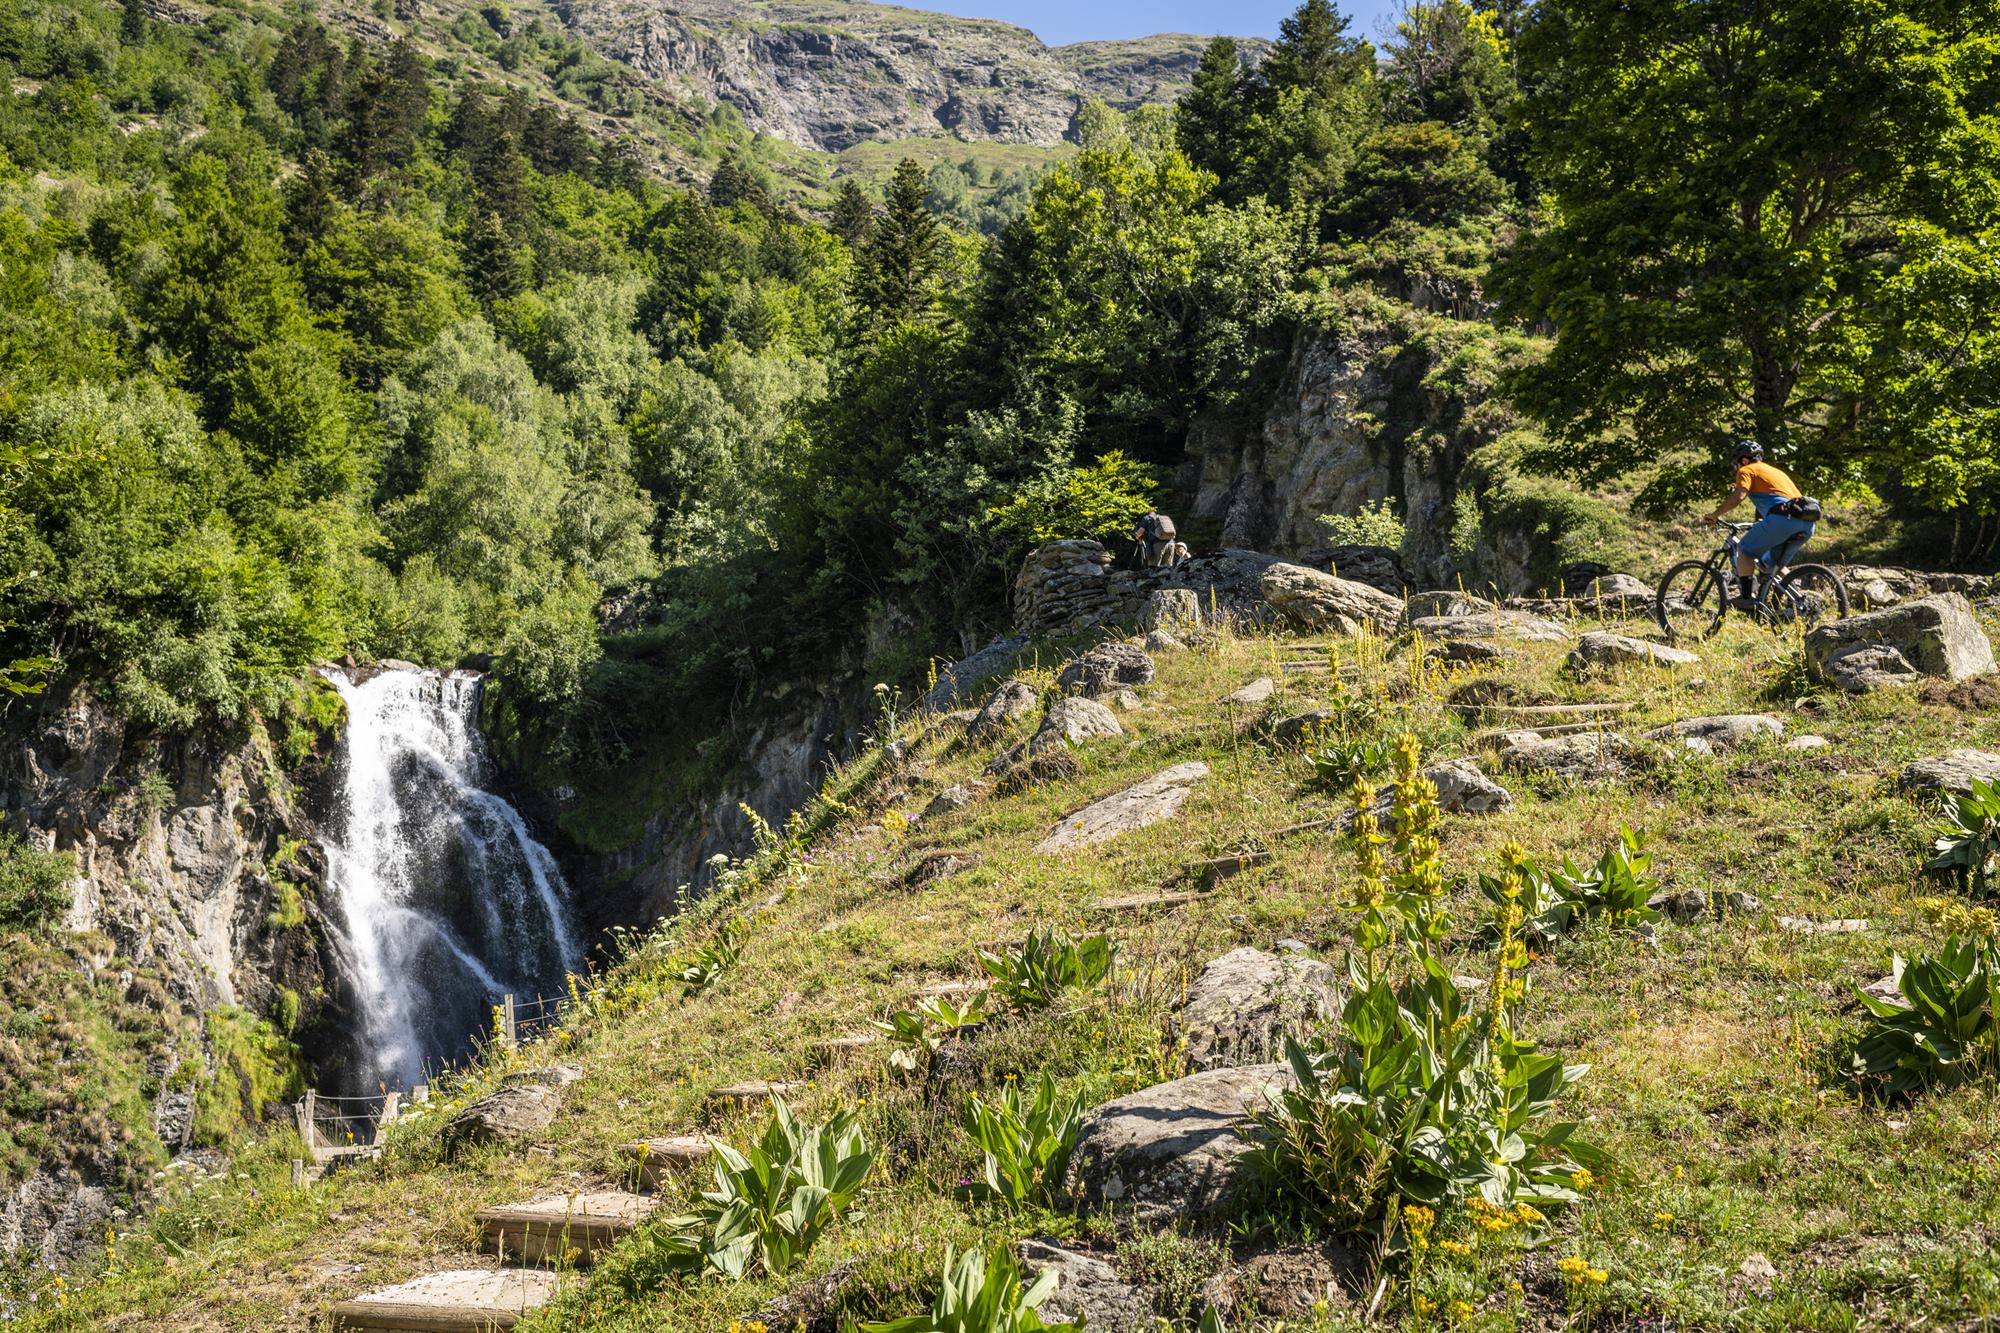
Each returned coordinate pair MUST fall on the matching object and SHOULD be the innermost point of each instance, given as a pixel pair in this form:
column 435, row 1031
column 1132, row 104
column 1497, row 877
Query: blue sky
column 1060, row 21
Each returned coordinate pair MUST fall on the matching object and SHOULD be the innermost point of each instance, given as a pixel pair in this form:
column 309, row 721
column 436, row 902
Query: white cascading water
column 446, row 901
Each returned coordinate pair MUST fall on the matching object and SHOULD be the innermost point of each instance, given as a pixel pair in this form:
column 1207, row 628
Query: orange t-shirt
column 1763, row 479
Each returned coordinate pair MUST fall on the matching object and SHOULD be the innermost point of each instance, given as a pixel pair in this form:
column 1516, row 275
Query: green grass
column 1716, row 1056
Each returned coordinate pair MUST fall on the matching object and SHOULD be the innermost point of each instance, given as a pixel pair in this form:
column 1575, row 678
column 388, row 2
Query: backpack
column 1158, row 527
column 1805, row 509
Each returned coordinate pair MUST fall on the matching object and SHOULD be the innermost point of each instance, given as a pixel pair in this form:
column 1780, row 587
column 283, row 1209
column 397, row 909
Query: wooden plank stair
column 561, row 1229
column 476, row 1300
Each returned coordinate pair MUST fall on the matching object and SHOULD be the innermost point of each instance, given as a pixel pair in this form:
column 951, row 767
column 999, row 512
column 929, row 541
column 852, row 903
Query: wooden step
column 476, row 1300
column 1546, row 710
column 951, row 990
column 561, row 1229
column 667, row 1157
column 750, row 1093
column 1139, row 902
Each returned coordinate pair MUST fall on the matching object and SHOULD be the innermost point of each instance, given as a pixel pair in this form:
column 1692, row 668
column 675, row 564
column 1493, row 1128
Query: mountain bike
column 1694, row 596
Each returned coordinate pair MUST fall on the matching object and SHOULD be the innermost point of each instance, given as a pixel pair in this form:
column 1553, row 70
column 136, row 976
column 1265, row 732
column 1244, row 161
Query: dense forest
column 314, row 346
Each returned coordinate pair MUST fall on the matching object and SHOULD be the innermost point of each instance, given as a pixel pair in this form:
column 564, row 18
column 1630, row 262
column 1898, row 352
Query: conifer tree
column 1313, row 51
column 132, row 23
column 1209, row 120
column 853, row 216
column 900, row 263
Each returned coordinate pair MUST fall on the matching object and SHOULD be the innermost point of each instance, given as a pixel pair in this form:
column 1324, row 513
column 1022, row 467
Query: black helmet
column 1749, row 449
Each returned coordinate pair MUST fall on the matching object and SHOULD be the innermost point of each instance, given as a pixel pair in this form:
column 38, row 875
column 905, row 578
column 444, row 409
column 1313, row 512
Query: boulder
column 955, row 797
column 1246, row 1004
column 1937, row 636
column 1255, row 693
column 1601, row 649
column 1721, row 733
column 517, row 1113
column 1088, row 1291
column 1613, row 589
column 1012, row 701
column 1464, row 790
column 1072, row 722
column 1955, row 771
column 1172, row 1150
column 1377, row 566
column 1585, row 755
column 957, row 683
column 1170, row 610
column 1158, row 797
column 1421, row 605
column 1808, row 742
column 1489, row 626
column 1159, row 641
column 1310, row 600
column 1106, row 669
column 1470, row 652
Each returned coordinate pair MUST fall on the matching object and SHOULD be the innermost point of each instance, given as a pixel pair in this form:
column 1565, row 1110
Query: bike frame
column 1722, row 563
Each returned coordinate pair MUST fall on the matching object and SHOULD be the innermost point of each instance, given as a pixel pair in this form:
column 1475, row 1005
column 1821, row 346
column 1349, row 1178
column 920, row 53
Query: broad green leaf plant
column 1027, row 1142
column 1048, row 965
column 983, row 1293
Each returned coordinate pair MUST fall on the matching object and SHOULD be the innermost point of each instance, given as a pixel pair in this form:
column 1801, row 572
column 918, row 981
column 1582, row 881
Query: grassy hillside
column 1716, row 1089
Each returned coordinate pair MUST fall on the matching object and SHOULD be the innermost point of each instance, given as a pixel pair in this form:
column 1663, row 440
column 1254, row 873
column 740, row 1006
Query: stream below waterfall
column 441, row 898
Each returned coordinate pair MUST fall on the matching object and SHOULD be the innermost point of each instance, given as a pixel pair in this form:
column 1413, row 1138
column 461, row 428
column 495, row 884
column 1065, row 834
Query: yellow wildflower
column 1663, row 1219
column 1514, row 1286
column 1583, row 1179
column 1417, row 1217
column 1573, row 1267
column 1458, row 1249
column 1679, row 1171
column 1596, row 1276
column 1527, row 1213
column 1461, row 1311
column 1423, row 1304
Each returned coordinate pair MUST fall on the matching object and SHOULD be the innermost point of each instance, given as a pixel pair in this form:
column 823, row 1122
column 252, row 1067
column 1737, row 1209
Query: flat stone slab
column 561, row 1228
column 1801, row 925
column 1158, row 797
column 1588, row 755
column 1520, row 626
column 664, row 1157
column 1955, row 770
column 1256, row 692
column 1312, row 600
column 1140, row 902
column 750, row 1093
column 465, row 1301
column 1724, row 732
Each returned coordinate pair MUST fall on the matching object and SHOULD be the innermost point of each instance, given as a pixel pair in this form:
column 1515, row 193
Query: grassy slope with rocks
column 1715, row 1086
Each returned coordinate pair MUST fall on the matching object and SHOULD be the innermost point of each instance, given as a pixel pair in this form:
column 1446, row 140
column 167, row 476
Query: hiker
column 1785, row 517
column 1156, row 538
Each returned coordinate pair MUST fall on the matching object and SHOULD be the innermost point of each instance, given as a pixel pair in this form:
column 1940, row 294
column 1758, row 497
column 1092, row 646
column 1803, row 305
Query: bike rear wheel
column 1807, row 595
column 1691, row 601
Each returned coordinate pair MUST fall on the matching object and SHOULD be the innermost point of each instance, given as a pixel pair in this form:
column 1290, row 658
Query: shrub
column 1027, row 1146
column 1968, row 841
column 1370, row 525
column 1946, row 1032
column 34, row 885
column 772, row 1202
column 982, row 1293
column 1426, row 1098
column 1101, row 500
column 1048, row 964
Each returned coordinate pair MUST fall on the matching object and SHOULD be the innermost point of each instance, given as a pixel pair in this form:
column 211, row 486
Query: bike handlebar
column 1728, row 526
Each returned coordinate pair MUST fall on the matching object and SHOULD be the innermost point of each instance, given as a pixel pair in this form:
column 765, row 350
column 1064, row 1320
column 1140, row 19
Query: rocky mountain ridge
column 831, row 75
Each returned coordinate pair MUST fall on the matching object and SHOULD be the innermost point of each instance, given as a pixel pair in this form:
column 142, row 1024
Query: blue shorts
column 1771, row 532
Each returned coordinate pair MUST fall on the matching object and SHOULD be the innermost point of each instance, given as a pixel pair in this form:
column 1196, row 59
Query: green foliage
column 1026, row 1143
column 771, row 1202
column 1338, row 760
column 916, row 1035
column 34, row 885
column 1713, row 274
column 983, row 1293
column 1047, row 966
column 712, row 960
column 1373, row 524
column 1426, row 1098
column 1945, row 1032
column 1102, row 500
column 1968, row 837
column 253, row 1066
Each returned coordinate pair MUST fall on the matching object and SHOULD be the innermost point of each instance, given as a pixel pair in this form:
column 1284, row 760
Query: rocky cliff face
column 831, row 75
column 194, row 907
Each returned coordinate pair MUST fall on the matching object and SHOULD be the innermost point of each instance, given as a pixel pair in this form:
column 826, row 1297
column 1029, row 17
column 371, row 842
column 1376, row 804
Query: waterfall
column 443, row 898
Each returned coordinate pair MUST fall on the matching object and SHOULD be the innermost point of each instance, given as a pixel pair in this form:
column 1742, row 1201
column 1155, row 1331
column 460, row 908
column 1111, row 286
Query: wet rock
column 1307, row 599
column 1158, row 797
column 1012, row 701
column 1103, row 670
column 1936, row 636
column 1247, row 1003
column 1172, row 1150
column 1601, row 649
column 1955, row 770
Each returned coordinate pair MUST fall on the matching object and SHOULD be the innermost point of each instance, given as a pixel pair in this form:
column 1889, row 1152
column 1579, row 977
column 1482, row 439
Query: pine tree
column 496, row 266
column 901, row 261
column 853, row 216
column 132, row 23
column 1313, row 51
column 1209, row 119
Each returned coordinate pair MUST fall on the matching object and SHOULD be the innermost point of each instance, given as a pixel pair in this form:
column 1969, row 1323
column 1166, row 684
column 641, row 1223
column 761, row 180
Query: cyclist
column 1771, row 492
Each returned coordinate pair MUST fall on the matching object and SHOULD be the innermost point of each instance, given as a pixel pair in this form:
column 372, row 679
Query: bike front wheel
column 1807, row 595
column 1691, row 602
